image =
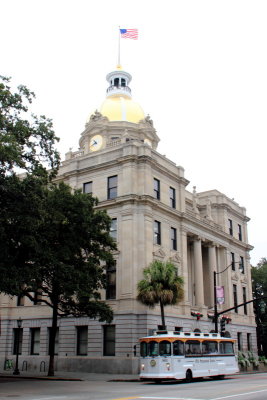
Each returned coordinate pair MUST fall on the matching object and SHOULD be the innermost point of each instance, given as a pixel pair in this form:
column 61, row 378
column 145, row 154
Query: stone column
column 212, row 267
column 185, row 266
column 199, row 287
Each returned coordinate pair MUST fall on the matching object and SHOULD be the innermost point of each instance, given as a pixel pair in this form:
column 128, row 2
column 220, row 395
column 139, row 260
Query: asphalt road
column 240, row 387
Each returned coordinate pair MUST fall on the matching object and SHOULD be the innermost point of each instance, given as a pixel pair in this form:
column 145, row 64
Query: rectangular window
column 56, row 341
column 235, row 297
column 88, row 187
column 111, row 280
column 113, row 229
column 109, row 340
column 35, row 341
column 230, row 225
column 157, row 233
column 172, row 197
column 82, row 340
column 17, row 340
column 239, row 341
column 112, row 187
column 242, row 266
column 156, row 189
column 249, row 341
column 233, row 261
column 239, row 232
column 37, row 297
column 20, row 300
column 173, row 239
column 244, row 300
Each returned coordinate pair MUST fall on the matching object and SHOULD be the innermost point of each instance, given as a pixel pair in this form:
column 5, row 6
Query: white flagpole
column 119, row 47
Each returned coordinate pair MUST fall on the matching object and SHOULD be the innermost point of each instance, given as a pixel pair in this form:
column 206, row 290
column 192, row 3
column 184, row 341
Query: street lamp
column 215, row 291
column 16, row 370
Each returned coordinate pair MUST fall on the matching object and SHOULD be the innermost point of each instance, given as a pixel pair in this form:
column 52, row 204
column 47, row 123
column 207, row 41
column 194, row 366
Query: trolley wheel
column 218, row 377
column 188, row 376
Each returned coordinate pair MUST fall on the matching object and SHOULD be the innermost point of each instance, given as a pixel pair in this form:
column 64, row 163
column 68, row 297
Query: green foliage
column 63, row 243
column 53, row 241
column 26, row 143
column 161, row 285
column 259, row 289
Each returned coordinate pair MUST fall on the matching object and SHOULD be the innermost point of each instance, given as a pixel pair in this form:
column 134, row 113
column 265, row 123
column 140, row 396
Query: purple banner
column 220, row 294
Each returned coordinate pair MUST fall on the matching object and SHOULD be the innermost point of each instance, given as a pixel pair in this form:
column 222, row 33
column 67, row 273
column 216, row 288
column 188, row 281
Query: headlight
column 142, row 367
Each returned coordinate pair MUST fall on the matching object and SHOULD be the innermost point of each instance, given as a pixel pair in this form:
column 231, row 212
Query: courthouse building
column 154, row 217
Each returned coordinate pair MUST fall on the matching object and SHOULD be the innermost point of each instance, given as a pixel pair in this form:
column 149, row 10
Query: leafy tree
column 161, row 285
column 63, row 257
column 26, row 143
column 259, row 289
column 52, row 242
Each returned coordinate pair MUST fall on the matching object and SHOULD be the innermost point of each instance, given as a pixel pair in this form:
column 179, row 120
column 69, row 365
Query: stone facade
column 154, row 217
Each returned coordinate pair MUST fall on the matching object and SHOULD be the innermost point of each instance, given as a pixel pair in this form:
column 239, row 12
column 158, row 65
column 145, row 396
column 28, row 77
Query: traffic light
column 222, row 323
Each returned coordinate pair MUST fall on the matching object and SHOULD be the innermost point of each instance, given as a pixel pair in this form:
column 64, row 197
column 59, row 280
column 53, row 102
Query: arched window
column 197, row 330
column 165, row 348
column 116, row 82
column 178, row 348
column 123, row 82
column 192, row 347
column 153, row 348
column 143, row 349
column 227, row 334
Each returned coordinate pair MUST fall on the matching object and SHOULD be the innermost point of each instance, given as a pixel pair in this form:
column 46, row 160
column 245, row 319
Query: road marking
column 240, row 394
column 128, row 398
column 50, row 398
column 168, row 398
column 158, row 398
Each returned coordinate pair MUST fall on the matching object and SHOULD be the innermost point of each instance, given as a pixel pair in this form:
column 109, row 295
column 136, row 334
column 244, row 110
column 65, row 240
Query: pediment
column 159, row 253
column 244, row 279
column 176, row 258
column 235, row 277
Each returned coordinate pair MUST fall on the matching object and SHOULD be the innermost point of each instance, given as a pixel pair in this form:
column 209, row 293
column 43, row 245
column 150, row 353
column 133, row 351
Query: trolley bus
column 186, row 355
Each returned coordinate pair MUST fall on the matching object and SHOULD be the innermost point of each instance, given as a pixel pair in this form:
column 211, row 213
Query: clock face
column 96, row 143
column 148, row 142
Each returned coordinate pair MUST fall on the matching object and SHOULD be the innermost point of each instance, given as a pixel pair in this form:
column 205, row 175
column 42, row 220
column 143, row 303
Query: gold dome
column 122, row 108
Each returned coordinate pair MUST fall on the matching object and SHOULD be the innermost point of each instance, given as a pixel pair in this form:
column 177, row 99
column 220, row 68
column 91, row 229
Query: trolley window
column 226, row 348
column 192, row 347
column 209, row 347
column 165, row 348
column 143, row 349
column 178, row 348
column 153, row 348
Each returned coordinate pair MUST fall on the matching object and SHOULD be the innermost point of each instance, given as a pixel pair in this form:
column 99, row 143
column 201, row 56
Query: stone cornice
column 228, row 208
column 189, row 223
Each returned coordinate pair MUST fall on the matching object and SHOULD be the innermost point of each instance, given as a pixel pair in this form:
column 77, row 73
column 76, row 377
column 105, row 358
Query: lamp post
column 215, row 292
column 16, row 370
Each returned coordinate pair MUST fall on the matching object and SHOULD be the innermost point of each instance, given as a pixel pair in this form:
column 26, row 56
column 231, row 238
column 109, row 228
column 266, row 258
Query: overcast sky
column 199, row 70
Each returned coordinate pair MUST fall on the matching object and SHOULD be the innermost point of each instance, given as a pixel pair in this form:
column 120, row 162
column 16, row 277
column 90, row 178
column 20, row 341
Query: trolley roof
column 186, row 335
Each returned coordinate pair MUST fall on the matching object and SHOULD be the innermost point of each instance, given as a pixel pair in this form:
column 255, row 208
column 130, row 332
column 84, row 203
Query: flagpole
column 119, row 47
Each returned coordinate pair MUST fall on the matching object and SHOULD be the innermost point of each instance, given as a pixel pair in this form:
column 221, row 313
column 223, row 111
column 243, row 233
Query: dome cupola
column 119, row 83
column 119, row 105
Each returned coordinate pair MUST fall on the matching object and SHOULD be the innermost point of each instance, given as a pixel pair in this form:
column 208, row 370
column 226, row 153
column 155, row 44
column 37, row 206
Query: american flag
column 129, row 33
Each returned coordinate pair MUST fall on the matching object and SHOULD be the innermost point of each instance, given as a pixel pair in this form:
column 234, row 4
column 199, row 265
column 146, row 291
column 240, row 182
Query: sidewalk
column 71, row 376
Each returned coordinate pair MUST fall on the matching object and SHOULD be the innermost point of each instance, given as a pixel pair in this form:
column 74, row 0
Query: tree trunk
column 52, row 339
column 162, row 315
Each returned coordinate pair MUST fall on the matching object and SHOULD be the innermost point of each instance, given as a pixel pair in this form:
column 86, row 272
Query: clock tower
column 119, row 118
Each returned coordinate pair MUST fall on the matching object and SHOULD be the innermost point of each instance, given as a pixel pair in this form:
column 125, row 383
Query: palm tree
column 161, row 284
